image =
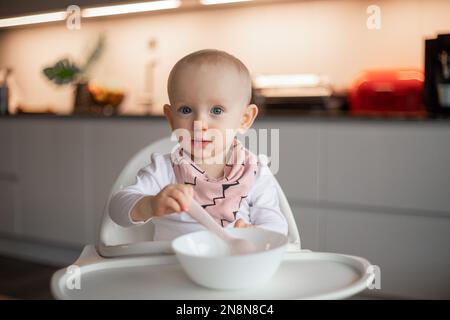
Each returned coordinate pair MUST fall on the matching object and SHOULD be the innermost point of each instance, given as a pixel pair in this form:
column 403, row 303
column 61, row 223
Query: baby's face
column 209, row 101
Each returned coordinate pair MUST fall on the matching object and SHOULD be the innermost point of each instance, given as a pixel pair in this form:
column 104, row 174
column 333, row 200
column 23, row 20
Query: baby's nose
column 200, row 125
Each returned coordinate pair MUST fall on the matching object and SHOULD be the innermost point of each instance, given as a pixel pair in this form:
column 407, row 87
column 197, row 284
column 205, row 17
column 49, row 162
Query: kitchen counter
column 263, row 115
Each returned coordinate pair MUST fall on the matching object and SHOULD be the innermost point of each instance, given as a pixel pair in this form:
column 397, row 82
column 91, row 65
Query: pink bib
column 222, row 197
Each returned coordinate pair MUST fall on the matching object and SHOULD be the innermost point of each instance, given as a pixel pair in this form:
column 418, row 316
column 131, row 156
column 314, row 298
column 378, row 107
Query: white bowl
column 207, row 261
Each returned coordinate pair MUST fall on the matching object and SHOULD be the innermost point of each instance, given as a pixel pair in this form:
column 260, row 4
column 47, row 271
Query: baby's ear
column 248, row 117
column 168, row 113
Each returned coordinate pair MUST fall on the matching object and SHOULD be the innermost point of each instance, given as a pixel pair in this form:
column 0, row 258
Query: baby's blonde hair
column 211, row 56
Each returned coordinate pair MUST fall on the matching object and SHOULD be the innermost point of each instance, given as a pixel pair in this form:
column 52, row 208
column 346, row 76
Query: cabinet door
column 6, row 149
column 307, row 220
column 51, row 163
column 7, row 210
column 110, row 145
column 8, row 178
column 298, row 157
column 411, row 251
column 391, row 165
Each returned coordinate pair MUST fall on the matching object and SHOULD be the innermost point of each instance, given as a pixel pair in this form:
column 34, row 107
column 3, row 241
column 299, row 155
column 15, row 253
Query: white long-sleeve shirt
column 260, row 208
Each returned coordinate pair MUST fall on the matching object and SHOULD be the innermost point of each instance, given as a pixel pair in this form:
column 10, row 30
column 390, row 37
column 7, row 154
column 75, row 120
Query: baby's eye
column 185, row 110
column 216, row 110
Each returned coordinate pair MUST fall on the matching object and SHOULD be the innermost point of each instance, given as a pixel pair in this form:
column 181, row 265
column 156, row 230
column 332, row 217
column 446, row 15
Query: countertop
column 290, row 115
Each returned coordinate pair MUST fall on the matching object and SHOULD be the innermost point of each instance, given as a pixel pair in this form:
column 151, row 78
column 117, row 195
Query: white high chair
column 115, row 240
column 108, row 269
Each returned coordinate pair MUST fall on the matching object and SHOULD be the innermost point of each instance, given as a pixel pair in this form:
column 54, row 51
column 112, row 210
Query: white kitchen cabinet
column 307, row 220
column 8, row 180
column 298, row 157
column 56, row 174
column 387, row 165
column 370, row 188
column 412, row 251
column 51, row 164
column 7, row 210
column 67, row 168
column 36, row 160
column 109, row 145
column 7, row 167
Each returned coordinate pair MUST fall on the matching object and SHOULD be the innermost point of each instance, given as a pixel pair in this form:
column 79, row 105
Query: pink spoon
column 237, row 246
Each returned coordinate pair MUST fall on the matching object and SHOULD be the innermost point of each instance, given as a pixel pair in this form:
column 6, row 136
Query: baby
column 209, row 93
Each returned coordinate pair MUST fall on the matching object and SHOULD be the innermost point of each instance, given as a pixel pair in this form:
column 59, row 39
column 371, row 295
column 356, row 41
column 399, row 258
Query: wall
column 326, row 37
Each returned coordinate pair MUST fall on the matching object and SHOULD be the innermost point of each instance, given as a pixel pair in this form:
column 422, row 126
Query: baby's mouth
column 200, row 143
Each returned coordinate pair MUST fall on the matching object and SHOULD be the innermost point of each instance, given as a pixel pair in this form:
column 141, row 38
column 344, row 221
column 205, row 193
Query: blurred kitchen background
column 360, row 91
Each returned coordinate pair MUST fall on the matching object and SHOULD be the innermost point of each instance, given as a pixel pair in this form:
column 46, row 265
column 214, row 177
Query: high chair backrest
column 112, row 234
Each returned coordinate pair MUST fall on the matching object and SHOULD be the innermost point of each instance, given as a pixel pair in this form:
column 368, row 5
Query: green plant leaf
column 66, row 71
column 62, row 72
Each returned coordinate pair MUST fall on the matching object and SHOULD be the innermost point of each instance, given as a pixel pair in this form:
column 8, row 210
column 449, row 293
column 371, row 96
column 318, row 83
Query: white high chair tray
column 301, row 275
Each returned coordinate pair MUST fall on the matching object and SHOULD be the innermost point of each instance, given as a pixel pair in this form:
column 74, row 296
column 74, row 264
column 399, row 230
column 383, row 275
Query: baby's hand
column 240, row 223
column 172, row 198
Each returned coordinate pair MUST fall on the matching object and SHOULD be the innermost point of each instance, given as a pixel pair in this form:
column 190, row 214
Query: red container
column 388, row 92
